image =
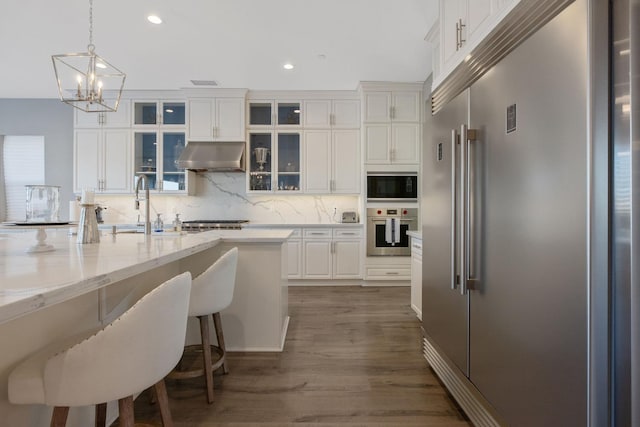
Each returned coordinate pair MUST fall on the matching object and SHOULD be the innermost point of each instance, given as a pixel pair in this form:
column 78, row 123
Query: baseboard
column 477, row 408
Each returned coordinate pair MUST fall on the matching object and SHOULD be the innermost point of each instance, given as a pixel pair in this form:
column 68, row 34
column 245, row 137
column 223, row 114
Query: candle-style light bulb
column 79, row 78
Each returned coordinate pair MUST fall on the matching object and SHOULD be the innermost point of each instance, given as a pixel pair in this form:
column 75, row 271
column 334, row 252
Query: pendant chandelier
column 87, row 81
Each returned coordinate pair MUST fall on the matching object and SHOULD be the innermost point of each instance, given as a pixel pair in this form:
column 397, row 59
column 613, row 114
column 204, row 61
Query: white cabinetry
column 317, row 253
column 294, row 249
column 416, row 276
column 332, row 161
column 332, row 253
column 462, row 25
column 347, row 253
column 102, row 160
column 391, row 123
column 121, row 118
column 337, row 113
column 216, row 119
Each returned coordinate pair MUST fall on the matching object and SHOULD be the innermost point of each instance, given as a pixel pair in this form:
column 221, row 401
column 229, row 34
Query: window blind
column 23, row 164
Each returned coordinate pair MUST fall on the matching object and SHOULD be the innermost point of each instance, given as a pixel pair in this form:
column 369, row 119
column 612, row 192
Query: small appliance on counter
column 349, row 217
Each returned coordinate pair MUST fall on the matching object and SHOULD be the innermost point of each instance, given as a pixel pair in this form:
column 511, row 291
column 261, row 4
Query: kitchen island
column 49, row 295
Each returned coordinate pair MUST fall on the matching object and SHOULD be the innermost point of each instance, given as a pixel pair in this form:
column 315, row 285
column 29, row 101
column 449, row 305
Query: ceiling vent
column 204, row 82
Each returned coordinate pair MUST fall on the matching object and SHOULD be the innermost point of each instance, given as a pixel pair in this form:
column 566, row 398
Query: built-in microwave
column 392, row 187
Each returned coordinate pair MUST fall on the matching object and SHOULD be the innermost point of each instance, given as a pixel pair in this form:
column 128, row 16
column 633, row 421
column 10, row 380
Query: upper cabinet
column 120, row 118
column 337, row 113
column 391, row 123
column 270, row 113
column 216, row 116
column 158, row 140
column 388, row 106
column 462, row 25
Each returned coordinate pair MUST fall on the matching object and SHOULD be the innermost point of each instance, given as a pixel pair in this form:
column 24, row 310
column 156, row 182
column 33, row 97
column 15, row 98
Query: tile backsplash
column 224, row 196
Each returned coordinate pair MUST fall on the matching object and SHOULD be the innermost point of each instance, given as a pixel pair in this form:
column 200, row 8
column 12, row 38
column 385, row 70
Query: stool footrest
column 193, row 355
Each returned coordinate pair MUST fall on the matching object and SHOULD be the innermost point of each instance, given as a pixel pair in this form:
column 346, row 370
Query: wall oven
column 387, row 231
column 392, row 187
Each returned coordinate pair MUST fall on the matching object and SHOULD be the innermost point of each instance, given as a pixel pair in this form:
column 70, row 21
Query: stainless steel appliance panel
column 387, row 231
column 444, row 309
column 528, row 318
column 392, row 187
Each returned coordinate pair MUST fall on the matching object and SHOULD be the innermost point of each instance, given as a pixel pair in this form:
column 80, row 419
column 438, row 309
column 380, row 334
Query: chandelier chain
column 91, row 47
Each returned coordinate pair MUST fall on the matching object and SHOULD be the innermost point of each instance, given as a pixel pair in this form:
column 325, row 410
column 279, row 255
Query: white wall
column 53, row 120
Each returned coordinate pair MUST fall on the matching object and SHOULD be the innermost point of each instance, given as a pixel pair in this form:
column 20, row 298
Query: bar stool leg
column 101, row 415
column 217, row 323
column 59, row 416
column 206, row 356
column 125, row 406
column 163, row 402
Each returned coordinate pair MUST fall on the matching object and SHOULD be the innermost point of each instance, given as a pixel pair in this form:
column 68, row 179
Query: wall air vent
column 521, row 22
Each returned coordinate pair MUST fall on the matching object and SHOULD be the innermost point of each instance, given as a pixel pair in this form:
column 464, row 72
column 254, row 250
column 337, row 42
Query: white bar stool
column 114, row 363
column 211, row 292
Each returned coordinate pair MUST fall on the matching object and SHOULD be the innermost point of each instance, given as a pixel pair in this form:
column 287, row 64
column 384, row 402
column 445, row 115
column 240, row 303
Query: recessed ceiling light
column 154, row 19
column 288, row 66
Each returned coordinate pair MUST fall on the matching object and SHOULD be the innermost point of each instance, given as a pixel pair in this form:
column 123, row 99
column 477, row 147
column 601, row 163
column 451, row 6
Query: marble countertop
column 30, row 281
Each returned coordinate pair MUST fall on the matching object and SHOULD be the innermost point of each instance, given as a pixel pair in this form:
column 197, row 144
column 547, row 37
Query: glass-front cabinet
column 260, row 151
column 274, row 145
column 274, row 113
column 159, row 138
column 274, row 161
column 288, row 161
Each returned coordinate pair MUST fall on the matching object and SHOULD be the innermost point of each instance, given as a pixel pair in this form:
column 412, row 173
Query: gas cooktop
column 213, row 224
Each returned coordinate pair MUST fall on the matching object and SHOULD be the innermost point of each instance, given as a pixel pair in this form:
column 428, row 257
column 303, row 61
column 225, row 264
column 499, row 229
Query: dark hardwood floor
column 352, row 358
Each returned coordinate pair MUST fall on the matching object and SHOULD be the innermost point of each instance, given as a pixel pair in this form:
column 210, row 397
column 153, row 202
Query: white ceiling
column 238, row 43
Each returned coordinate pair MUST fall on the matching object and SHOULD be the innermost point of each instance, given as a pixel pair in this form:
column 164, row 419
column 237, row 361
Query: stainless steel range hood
column 213, row 156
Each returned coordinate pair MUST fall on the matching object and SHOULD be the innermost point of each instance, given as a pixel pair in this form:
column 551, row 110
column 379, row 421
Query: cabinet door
column 121, row 118
column 317, row 114
column 346, row 259
column 317, row 163
column 451, row 11
column 116, row 149
column 377, row 107
column 416, row 276
column 317, row 259
column 229, row 119
column 406, row 143
column 406, row 107
column 201, row 119
column 346, row 161
column 294, row 248
column 478, row 13
column 346, row 114
column 377, row 143
column 87, row 160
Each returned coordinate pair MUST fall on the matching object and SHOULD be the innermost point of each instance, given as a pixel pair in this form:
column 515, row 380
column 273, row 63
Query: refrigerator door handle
column 454, row 224
column 462, row 213
column 467, row 282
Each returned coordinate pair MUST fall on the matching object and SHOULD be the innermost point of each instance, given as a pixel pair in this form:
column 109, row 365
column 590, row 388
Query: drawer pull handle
column 391, row 273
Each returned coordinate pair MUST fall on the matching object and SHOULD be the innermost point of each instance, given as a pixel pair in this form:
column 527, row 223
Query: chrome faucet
column 144, row 181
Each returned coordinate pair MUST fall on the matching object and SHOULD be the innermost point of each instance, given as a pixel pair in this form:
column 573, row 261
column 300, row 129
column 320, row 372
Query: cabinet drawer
column 389, row 273
column 347, row 233
column 317, row 233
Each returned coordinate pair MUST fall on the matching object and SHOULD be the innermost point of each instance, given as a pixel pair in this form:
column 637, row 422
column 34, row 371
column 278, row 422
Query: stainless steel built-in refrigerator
column 517, row 221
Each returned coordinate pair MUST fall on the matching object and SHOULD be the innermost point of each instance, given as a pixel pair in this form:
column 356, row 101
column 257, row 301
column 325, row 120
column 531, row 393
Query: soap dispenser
column 158, row 225
column 177, row 224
